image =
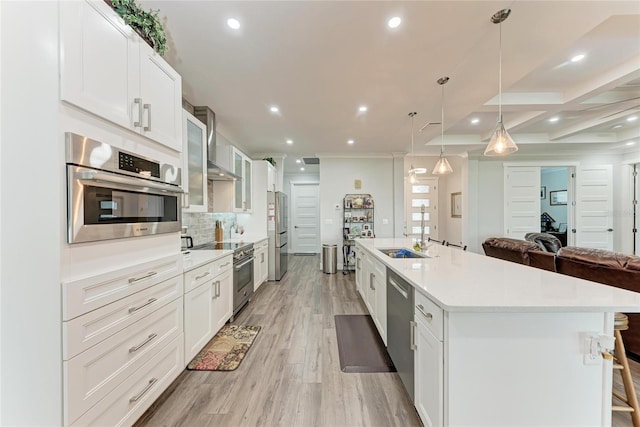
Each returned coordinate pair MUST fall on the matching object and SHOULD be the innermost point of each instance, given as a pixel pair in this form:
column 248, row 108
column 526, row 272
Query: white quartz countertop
column 193, row 259
column 465, row 281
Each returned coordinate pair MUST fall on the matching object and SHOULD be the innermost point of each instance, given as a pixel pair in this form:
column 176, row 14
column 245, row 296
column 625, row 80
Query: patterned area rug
column 226, row 350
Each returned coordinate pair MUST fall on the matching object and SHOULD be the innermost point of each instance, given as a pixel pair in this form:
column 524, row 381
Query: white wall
column 489, row 188
column 338, row 175
column 31, row 181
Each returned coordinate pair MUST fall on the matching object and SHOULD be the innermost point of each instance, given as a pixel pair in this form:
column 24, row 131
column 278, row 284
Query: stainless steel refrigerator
column 277, row 223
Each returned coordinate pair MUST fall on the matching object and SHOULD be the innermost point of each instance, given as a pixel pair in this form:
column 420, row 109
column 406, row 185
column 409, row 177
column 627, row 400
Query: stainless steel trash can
column 329, row 258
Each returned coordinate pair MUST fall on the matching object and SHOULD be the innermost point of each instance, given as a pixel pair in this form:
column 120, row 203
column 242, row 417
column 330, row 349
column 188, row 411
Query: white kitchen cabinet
column 222, row 299
column 261, row 263
column 208, row 303
column 428, row 369
column 108, row 70
column 194, row 168
column 115, row 324
column 198, row 319
column 242, row 188
column 375, row 293
column 271, row 178
column 361, row 267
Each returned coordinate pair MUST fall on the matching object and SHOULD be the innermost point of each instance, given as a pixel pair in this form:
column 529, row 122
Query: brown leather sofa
column 610, row 268
column 513, row 250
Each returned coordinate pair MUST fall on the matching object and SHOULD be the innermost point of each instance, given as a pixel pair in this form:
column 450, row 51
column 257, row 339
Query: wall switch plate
column 385, row 221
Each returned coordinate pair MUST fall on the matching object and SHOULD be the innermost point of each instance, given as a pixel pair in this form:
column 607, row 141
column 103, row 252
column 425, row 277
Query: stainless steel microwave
column 112, row 193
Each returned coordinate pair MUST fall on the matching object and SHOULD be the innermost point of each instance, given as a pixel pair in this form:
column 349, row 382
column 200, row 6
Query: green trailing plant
column 270, row 160
column 147, row 24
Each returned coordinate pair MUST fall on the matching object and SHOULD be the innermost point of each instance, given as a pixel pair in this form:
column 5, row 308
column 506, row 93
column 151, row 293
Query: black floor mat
column 360, row 346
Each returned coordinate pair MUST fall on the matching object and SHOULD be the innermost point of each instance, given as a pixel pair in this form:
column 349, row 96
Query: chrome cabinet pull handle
column 203, row 275
column 137, row 397
column 148, row 108
column 372, row 277
column 218, row 288
column 143, row 343
column 139, row 102
column 413, row 325
column 134, row 309
column 146, row 276
column 225, row 264
column 420, row 308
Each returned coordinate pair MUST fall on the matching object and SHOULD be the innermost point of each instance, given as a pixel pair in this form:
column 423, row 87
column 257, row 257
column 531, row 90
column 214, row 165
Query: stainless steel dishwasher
column 401, row 328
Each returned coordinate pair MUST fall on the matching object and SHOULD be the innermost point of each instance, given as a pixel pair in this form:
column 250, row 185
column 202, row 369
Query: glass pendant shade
column 500, row 143
column 442, row 167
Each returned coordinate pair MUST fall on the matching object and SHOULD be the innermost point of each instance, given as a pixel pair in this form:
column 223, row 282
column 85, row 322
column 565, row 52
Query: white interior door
column 521, row 200
column 594, row 207
column 423, row 192
column 305, row 217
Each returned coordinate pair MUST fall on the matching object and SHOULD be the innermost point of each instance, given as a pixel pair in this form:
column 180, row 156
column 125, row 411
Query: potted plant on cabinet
column 146, row 24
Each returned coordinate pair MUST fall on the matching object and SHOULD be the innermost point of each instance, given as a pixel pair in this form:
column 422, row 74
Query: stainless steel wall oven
column 112, row 193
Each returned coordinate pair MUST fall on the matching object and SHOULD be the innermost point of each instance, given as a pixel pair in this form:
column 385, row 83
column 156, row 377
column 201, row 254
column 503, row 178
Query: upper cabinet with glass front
column 108, row 70
column 242, row 167
column 194, row 170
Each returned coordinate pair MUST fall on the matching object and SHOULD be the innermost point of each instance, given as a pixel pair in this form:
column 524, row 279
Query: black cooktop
column 235, row 246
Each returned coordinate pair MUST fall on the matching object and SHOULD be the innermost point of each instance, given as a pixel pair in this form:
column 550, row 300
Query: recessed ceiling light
column 274, row 109
column 301, row 169
column 554, row 119
column 298, row 161
column 475, row 121
column 351, row 141
column 578, row 58
column 362, row 109
column 394, row 22
column 630, row 143
column 632, row 118
column 289, row 141
column 616, row 126
column 233, row 23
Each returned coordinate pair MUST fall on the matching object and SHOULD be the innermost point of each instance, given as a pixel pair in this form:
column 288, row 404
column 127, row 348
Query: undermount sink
column 401, row 253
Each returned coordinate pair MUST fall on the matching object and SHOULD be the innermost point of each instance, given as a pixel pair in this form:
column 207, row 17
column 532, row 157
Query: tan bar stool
column 620, row 363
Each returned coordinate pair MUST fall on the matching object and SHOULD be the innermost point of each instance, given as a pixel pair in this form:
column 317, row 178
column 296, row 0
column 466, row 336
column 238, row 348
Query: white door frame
column 292, row 212
column 571, row 189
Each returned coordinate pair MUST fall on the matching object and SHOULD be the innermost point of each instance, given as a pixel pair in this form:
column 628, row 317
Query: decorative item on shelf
column 501, row 143
column 442, row 167
column 146, row 24
column 270, row 160
column 414, row 171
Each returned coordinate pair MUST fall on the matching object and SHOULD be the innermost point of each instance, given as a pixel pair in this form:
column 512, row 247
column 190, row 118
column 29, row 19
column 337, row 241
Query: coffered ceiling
column 319, row 61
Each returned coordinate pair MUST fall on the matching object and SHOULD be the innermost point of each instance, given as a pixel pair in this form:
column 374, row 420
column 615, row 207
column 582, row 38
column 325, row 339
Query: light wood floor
column 291, row 376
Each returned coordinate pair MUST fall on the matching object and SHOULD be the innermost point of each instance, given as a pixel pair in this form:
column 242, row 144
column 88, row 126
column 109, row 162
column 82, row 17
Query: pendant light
column 414, row 171
column 442, row 167
column 500, row 143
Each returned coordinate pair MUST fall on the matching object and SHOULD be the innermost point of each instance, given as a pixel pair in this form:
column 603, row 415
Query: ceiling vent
column 311, row 160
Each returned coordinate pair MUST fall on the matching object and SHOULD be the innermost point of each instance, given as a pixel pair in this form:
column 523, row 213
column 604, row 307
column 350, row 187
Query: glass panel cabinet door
column 194, row 173
column 237, row 169
column 247, row 184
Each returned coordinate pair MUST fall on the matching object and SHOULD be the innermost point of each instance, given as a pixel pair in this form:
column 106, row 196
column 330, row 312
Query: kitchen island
column 498, row 343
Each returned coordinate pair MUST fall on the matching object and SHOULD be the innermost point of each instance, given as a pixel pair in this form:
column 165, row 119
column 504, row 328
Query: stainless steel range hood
column 215, row 172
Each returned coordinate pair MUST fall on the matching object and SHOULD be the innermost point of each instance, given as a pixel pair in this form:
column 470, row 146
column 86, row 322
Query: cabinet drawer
column 89, row 329
column 261, row 244
column 430, row 314
column 202, row 274
column 84, row 295
column 91, row 375
column 127, row 402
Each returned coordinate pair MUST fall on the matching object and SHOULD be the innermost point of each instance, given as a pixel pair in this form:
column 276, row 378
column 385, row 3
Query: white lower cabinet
column 208, row 306
column 428, row 374
column 374, row 289
column 261, row 263
column 122, row 345
column 198, row 319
